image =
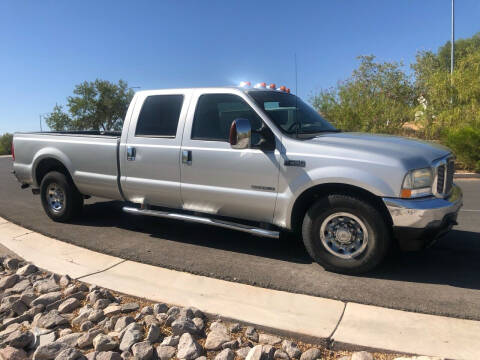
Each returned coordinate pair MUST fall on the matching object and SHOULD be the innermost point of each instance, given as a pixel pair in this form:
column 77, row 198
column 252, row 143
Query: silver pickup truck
column 257, row 160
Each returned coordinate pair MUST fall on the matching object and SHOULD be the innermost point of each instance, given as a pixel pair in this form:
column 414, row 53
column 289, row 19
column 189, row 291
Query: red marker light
column 13, row 152
column 272, row 86
column 283, row 88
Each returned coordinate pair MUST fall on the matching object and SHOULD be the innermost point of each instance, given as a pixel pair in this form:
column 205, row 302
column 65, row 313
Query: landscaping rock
column 19, row 339
column 183, row 325
column 153, row 333
column 49, row 351
column 216, row 338
column 47, row 299
column 64, row 332
column 123, row 322
column 165, row 352
column 87, row 325
column 86, row 340
column 361, row 355
column 171, row 340
column 68, row 305
column 243, row 352
column 311, row 354
column 104, row 343
column 11, row 263
column 96, row 315
column 51, row 319
column 11, row 353
column 142, row 350
column 291, row 349
column 188, row 348
column 70, row 340
column 129, row 307
column 160, row 308
column 251, row 334
column 131, row 335
column 281, row 355
column 226, row 354
column 8, row 281
column 108, row 355
column 64, row 281
column 69, row 354
column 269, row 339
column 46, row 286
column 255, row 353
column 101, row 304
column 112, row 309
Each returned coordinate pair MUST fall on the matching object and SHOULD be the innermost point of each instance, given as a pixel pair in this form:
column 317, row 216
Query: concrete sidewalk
column 313, row 319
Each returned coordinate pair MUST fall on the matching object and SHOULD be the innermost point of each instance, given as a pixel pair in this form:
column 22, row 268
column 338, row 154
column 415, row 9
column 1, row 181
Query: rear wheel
column 346, row 234
column 60, row 198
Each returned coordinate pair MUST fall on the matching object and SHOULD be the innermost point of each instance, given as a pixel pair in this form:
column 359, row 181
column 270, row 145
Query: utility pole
column 452, row 60
column 40, row 116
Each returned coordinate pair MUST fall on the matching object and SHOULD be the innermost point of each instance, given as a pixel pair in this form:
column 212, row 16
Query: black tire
column 72, row 199
column 378, row 242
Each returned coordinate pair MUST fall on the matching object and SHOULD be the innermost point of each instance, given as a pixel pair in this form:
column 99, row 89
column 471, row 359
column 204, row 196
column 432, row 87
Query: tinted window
column 215, row 113
column 159, row 115
column 290, row 113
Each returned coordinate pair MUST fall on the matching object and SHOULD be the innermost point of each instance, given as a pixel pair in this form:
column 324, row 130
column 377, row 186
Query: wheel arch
column 306, row 199
column 48, row 164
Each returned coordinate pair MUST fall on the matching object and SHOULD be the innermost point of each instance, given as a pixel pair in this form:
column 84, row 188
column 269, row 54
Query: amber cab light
column 272, row 86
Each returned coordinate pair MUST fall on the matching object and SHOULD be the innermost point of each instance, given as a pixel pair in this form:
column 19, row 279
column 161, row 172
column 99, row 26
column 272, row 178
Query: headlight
column 417, row 183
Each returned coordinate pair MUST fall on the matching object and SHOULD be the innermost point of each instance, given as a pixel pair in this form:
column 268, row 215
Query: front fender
column 306, row 180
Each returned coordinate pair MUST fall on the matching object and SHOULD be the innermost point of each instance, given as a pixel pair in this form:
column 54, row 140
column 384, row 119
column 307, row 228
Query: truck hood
column 413, row 153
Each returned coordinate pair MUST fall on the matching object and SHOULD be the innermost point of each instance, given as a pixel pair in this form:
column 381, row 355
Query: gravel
column 44, row 316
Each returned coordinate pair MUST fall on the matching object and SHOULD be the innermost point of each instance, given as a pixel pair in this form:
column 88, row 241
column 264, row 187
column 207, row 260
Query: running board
column 204, row 220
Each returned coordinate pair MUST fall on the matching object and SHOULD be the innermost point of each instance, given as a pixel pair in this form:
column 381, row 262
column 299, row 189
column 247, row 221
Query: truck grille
column 444, row 174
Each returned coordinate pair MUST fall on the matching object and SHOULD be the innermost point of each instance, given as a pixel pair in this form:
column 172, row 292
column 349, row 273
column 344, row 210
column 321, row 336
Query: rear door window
column 159, row 116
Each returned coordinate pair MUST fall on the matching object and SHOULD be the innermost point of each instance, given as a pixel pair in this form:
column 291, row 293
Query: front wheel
column 345, row 234
column 60, row 198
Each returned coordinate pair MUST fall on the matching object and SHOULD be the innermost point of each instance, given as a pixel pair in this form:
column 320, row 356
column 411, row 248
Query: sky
column 47, row 47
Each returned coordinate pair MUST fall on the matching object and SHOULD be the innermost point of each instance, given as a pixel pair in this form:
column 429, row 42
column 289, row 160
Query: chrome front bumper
column 420, row 213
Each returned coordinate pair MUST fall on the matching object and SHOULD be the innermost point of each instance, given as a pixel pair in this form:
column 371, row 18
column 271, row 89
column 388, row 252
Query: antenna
column 299, row 124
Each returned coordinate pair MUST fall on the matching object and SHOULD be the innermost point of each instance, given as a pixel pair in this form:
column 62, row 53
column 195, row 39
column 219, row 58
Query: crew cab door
column 151, row 160
column 220, row 180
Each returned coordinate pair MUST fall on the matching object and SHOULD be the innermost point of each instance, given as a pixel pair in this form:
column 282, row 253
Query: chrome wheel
column 344, row 235
column 55, row 197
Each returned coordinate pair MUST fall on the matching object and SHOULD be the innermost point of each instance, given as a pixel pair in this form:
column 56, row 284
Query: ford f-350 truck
column 258, row 160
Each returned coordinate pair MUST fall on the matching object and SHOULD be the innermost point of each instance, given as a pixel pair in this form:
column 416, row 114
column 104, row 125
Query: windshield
column 290, row 113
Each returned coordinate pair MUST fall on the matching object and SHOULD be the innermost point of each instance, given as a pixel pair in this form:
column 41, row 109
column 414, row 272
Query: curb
column 466, row 176
column 333, row 323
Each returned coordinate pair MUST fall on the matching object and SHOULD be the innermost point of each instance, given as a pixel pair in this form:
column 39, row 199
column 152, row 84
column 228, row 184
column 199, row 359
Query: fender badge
column 298, row 163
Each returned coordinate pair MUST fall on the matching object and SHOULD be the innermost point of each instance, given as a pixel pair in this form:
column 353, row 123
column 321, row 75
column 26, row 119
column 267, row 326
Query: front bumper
column 419, row 222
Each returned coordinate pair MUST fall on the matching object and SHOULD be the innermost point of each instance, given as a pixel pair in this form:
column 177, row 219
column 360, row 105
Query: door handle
column 131, row 153
column 187, row 157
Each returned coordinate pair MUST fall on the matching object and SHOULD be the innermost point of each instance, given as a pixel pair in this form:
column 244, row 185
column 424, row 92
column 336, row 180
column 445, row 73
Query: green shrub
column 6, row 144
column 465, row 143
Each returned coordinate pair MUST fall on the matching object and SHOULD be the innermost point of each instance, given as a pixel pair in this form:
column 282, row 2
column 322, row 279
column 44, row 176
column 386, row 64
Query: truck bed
column 91, row 158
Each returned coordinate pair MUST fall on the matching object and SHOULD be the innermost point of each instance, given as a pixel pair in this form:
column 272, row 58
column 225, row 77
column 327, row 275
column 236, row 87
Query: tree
column 377, row 97
column 6, row 144
column 97, row 105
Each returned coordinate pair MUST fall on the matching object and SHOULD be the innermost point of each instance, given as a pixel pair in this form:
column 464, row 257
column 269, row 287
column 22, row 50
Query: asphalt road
column 443, row 280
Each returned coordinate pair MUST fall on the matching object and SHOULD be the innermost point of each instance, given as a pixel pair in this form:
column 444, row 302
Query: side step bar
column 204, row 220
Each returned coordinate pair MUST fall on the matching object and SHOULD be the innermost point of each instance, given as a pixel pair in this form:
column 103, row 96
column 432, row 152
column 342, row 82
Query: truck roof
column 240, row 88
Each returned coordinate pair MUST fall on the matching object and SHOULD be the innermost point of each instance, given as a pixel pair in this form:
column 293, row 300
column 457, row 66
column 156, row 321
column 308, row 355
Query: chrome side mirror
column 240, row 134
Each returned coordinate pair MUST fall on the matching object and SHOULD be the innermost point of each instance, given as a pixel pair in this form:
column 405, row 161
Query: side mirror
column 240, row 134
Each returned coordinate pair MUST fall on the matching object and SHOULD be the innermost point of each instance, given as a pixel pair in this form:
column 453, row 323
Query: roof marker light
column 288, row 90
column 245, row 84
column 272, row 86
column 282, row 88
column 261, row 85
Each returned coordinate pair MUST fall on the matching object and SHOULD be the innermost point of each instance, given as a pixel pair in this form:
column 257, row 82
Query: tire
column 60, row 198
column 356, row 237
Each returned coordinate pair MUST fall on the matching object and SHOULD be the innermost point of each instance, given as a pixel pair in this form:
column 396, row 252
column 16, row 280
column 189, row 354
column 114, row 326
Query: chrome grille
column 440, row 178
column 444, row 176
column 450, row 172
